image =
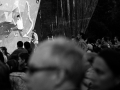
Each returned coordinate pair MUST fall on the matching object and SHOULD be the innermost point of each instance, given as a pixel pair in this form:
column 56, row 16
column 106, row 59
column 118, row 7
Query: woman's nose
column 90, row 73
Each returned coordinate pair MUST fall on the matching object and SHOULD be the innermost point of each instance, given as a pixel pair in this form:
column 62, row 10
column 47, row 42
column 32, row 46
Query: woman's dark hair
column 5, row 50
column 1, row 57
column 112, row 59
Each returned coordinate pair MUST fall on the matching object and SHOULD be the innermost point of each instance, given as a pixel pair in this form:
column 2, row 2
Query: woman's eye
column 99, row 71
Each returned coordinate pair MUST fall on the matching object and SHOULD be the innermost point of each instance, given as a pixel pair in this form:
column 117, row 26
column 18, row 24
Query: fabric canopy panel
column 66, row 17
column 85, row 12
column 74, row 15
column 79, row 14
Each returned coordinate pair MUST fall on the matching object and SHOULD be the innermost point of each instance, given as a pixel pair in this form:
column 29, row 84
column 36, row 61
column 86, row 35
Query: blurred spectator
column 89, row 57
column 5, row 53
column 2, row 57
column 27, row 46
column 13, row 63
column 56, row 65
column 90, row 48
column 4, row 50
column 34, row 39
column 19, row 49
column 106, row 71
column 4, row 78
column 23, row 60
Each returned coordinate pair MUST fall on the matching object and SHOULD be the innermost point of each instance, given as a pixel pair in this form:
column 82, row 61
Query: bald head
column 63, row 54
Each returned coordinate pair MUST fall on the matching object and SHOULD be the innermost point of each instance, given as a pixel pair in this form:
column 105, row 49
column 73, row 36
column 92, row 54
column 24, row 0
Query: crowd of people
column 64, row 64
column 17, row 60
column 96, row 45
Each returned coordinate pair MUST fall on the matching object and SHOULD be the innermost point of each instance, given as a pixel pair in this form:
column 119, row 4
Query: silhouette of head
column 19, row 44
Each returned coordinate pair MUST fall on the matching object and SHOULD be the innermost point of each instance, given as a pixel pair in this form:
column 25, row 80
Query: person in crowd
column 106, row 71
column 34, row 39
column 23, row 60
column 90, row 48
column 116, row 39
column 56, row 65
column 97, row 46
column 73, row 38
column 27, row 46
column 82, row 43
column 89, row 57
column 2, row 57
column 78, row 37
column 98, row 43
column 13, row 63
column 5, row 83
column 5, row 53
column 19, row 49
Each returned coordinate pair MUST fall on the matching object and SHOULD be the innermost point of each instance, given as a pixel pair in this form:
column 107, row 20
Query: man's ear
column 60, row 76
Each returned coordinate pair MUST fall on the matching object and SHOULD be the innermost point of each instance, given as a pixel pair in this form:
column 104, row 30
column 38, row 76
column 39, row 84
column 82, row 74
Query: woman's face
column 21, row 61
column 102, row 79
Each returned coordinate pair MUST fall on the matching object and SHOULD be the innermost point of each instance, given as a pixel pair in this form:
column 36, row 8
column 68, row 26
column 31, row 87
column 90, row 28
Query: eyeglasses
column 33, row 70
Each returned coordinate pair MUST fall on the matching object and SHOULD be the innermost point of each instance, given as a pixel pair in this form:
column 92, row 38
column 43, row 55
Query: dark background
column 105, row 20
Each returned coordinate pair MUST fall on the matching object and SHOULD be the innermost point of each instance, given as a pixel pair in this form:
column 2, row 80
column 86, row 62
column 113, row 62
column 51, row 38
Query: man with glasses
column 56, row 65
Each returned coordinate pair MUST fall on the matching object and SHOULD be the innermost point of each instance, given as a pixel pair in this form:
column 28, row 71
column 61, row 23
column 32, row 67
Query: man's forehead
column 43, row 57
